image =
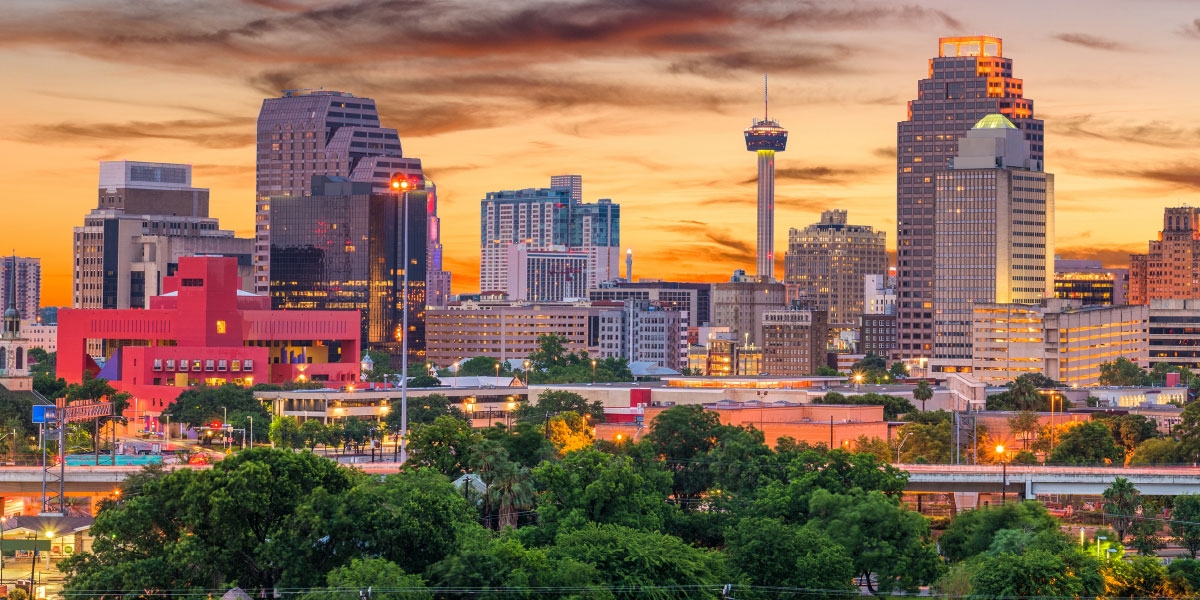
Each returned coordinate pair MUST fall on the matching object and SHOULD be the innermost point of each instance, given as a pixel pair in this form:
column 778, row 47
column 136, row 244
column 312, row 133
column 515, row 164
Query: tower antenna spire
column 766, row 113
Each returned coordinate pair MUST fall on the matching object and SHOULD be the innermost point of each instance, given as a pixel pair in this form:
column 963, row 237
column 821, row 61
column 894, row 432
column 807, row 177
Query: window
column 220, row 326
column 221, row 365
column 248, row 365
column 196, row 365
column 170, row 364
column 158, row 364
column 208, row 365
column 235, row 365
column 183, row 365
column 191, row 282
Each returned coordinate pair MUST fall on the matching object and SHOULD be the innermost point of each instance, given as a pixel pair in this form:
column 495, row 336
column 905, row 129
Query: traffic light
column 215, row 425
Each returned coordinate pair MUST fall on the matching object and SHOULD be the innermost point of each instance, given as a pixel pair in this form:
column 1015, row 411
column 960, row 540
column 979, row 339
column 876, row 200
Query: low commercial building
column 1089, row 282
column 40, row 336
column 794, row 342
column 506, row 330
column 693, row 298
column 878, row 334
column 1060, row 339
column 205, row 331
column 482, row 405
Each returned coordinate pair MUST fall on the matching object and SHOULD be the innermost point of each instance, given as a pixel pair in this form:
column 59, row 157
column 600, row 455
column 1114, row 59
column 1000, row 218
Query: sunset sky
column 647, row 99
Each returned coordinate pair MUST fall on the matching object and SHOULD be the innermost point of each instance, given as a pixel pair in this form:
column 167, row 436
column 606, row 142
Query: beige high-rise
column 827, row 263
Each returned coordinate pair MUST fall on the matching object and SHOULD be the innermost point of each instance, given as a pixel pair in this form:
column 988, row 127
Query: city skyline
column 603, row 91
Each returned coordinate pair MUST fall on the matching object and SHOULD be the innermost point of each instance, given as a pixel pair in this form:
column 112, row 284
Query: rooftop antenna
column 766, row 113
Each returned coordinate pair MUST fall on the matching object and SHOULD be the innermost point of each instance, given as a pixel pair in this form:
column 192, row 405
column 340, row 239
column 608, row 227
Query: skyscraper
column 319, row 132
column 571, row 182
column 26, row 285
column 342, row 248
column 827, row 262
column 994, row 234
column 1168, row 271
column 543, row 218
column 147, row 216
column 968, row 80
column 766, row 137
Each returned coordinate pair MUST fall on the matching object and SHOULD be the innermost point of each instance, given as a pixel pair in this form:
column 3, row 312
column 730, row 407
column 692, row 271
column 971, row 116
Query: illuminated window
column 220, row 326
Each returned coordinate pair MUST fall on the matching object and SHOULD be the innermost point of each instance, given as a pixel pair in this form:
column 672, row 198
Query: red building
column 205, row 331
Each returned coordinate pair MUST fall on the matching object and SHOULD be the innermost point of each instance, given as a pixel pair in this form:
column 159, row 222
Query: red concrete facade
column 203, row 331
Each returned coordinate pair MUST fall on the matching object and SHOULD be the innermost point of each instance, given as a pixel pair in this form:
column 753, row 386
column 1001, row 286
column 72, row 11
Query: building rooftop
column 994, row 121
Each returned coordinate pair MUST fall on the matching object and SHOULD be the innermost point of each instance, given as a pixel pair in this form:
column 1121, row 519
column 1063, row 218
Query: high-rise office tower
column 740, row 303
column 342, row 248
column 571, row 182
column 1168, row 270
column 25, row 275
column 437, row 280
column 147, row 216
column 969, row 79
column 827, row 263
column 766, row 137
column 994, row 234
column 318, row 132
column 543, row 218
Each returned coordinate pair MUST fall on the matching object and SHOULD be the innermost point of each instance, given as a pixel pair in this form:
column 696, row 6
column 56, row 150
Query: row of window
column 197, row 365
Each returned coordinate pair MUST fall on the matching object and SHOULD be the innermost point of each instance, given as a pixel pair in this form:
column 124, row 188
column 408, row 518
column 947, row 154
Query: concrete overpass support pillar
column 1029, row 488
column 966, row 501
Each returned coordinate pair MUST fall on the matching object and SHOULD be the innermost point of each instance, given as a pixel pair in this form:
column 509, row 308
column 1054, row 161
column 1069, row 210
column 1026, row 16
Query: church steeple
column 12, row 317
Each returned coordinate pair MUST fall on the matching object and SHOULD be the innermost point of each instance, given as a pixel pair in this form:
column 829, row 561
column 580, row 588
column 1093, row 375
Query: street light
column 400, row 185
column 1098, row 538
column 1003, row 475
column 593, row 370
column 527, row 373
column 858, row 378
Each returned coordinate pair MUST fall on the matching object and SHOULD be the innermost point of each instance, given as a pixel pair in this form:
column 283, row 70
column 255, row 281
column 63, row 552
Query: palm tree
column 1025, row 394
column 923, row 393
column 510, row 490
column 1121, row 502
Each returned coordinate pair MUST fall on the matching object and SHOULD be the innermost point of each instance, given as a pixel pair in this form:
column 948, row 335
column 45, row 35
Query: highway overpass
column 1031, row 481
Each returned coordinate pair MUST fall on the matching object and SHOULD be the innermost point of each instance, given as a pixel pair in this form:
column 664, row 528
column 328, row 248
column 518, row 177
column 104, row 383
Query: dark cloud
column 820, row 174
column 1154, row 133
column 223, row 132
column 1192, row 29
column 1110, row 256
column 1177, row 175
column 888, row 152
column 720, row 65
column 1091, row 41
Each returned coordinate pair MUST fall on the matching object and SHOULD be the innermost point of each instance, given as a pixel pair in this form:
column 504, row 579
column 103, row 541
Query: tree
column 444, row 445
column 1188, row 432
column 385, row 578
column 1183, row 576
column 354, row 432
column 509, row 491
column 1025, row 425
column 1086, row 443
column 552, row 402
column 313, row 432
column 1123, row 372
column 893, row 406
column 1131, row 430
column 661, row 567
column 922, row 393
column 569, row 432
column 881, row 536
column 483, row 366
column 493, row 568
column 680, row 436
column 973, row 532
column 196, row 530
column 898, row 371
column 928, row 438
column 285, row 433
column 202, row 405
column 1139, row 577
column 597, row 487
column 1026, row 395
column 1156, row 451
column 1034, row 574
column 1121, row 503
column 827, row 371
column 424, row 381
column 770, row 553
column 1185, row 524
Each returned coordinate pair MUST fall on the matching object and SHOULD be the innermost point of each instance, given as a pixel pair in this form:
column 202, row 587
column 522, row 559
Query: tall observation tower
column 766, row 137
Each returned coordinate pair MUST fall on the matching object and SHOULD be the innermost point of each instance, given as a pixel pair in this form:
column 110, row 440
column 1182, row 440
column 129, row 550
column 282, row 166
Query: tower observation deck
column 766, row 137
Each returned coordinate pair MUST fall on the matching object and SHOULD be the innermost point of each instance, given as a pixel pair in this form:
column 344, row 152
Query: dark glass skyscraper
column 969, row 79
column 342, row 248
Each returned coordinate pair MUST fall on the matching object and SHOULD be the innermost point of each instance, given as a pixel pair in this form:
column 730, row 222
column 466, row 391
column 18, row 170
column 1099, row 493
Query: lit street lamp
column 593, row 370
column 1003, row 475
